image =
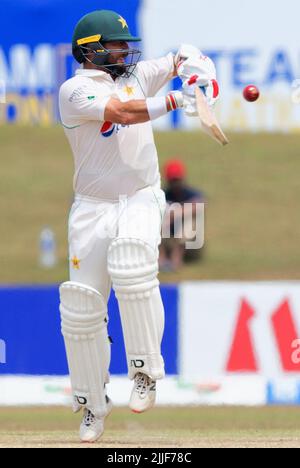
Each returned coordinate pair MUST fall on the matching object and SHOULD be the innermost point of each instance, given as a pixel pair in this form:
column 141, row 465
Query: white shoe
column 143, row 394
column 92, row 428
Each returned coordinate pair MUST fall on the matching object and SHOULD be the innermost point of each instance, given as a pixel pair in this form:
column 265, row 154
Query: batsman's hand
column 202, row 66
column 186, row 51
column 201, row 72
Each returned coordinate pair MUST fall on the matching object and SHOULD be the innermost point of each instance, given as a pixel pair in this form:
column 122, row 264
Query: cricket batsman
column 115, row 222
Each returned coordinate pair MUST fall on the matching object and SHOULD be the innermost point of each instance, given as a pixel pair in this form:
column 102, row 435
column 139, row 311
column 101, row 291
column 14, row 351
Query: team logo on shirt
column 75, row 263
column 129, row 90
column 107, row 129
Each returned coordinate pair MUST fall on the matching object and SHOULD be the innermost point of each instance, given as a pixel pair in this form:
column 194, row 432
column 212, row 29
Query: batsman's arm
column 153, row 75
column 140, row 111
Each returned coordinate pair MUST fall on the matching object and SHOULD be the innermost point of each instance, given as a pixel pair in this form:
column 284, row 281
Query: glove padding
column 202, row 66
column 186, row 51
column 210, row 90
column 201, row 72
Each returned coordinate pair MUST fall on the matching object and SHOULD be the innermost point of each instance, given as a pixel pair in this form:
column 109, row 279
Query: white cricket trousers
column 117, row 244
column 94, row 224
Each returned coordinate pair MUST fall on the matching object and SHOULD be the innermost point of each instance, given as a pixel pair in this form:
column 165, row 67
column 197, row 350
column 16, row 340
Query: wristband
column 157, row 107
column 174, row 100
column 160, row 106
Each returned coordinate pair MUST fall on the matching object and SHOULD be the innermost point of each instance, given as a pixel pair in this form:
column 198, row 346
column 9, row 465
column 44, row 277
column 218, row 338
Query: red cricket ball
column 251, row 93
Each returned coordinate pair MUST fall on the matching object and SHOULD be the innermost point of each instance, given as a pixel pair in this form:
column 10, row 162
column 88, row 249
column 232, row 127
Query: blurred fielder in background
column 180, row 221
column 115, row 221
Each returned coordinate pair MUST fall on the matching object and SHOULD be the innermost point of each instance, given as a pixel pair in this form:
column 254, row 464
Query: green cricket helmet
column 91, row 34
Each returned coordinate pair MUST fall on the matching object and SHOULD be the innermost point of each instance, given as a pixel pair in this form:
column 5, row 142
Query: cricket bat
column 208, row 120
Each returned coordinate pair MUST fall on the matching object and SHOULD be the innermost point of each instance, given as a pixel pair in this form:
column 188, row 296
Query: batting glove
column 201, row 66
column 201, row 72
column 210, row 89
column 186, row 51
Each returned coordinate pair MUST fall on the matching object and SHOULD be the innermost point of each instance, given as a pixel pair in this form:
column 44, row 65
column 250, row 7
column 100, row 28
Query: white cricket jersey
column 111, row 159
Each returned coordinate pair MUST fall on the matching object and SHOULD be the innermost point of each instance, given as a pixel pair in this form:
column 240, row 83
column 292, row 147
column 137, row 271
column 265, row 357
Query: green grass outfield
column 252, row 187
column 161, row 427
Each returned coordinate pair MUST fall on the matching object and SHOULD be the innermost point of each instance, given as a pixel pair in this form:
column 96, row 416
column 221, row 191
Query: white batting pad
column 84, row 327
column 133, row 266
